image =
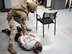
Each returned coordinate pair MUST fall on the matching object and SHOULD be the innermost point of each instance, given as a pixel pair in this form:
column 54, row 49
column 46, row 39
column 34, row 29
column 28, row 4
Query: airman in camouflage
column 19, row 14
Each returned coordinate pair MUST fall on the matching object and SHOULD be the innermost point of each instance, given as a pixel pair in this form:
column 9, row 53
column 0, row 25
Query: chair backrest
column 51, row 15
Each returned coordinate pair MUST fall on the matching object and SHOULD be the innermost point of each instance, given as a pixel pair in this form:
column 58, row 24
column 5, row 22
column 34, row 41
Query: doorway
column 2, row 5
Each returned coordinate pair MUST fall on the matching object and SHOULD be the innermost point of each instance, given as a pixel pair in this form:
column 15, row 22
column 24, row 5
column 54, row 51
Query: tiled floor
column 61, row 43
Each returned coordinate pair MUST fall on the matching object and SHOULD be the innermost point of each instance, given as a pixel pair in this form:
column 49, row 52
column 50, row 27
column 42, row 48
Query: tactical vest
column 13, row 14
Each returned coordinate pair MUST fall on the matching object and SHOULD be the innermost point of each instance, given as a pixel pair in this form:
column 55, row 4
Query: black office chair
column 47, row 18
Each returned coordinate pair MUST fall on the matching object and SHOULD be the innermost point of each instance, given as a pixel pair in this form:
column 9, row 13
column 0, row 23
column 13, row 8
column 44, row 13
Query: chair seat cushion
column 45, row 20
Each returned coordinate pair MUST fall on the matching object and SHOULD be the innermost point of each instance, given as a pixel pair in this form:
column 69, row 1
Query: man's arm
column 21, row 41
column 35, row 36
column 32, row 34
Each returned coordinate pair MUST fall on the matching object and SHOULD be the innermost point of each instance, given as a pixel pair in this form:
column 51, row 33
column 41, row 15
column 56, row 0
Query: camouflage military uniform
column 18, row 14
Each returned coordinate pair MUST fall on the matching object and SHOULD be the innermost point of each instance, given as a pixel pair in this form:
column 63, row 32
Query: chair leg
column 48, row 26
column 36, row 24
column 43, row 30
column 55, row 29
column 70, row 4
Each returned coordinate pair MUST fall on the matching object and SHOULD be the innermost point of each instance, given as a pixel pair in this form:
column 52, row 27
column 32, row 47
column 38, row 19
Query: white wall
column 12, row 3
column 7, row 3
column 48, row 3
column 29, row 0
column 15, row 2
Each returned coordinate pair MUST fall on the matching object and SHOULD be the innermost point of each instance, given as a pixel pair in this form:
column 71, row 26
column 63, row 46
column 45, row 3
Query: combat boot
column 28, row 29
column 11, row 49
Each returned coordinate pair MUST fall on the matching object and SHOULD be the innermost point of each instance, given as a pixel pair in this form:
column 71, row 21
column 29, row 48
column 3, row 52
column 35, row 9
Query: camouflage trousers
column 13, row 31
column 21, row 20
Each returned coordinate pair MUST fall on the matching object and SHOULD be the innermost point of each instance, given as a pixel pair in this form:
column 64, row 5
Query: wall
column 58, row 4
column 1, row 4
column 48, row 3
column 23, row 1
column 17, row 2
column 12, row 3
column 7, row 3
column 29, row 0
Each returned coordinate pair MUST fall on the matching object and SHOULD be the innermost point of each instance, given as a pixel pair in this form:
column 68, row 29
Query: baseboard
column 5, row 10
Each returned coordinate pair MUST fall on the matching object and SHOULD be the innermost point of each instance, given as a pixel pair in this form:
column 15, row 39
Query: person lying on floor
column 28, row 41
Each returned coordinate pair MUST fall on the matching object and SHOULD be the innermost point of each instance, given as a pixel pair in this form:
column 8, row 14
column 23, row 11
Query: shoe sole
column 12, row 52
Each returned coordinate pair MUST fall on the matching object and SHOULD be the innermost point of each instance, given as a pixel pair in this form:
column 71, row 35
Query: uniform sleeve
column 22, row 20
